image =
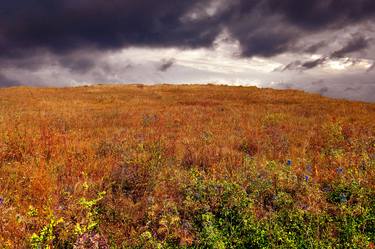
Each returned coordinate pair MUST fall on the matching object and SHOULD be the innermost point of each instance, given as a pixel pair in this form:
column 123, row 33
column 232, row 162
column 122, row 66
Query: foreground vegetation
column 185, row 166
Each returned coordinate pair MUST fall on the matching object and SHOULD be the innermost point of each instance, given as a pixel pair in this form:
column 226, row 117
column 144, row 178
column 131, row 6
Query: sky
column 320, row 46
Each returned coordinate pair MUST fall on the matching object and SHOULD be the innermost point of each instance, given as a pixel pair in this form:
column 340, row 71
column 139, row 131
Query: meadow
column 189, row 166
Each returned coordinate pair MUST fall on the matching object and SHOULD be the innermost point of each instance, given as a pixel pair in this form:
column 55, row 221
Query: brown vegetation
column 140, row 145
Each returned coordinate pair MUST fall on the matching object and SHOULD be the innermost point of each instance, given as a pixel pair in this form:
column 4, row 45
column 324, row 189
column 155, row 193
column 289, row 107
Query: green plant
column 222, row 214
column 45, row 238
column 92, row 219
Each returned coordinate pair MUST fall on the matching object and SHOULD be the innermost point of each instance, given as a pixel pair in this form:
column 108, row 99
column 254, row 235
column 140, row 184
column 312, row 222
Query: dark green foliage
column 222, row 216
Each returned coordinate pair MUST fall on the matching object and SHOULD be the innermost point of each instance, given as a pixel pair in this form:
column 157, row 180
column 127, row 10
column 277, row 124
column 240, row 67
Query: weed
column 47, row 235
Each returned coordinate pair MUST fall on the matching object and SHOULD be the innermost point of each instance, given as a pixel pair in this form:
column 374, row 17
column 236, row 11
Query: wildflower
column 1, row 200
column 91, row 240
column 33, row 212
column 326, row 188
column 305, row 206
column 307, row 178
column 340, row 170
column 343, row 197
column 309, row 168
column 289, row 162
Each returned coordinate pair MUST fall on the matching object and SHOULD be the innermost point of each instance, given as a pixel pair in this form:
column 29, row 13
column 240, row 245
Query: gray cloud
column 312, row 64
column 265, row 28
column 78, row 64
column 315, row 47
column 323, row 90
column 6, row 82
column 302, row 66
column 352, row 88
column 73, row 41
column 165, row 64
column 356, row 44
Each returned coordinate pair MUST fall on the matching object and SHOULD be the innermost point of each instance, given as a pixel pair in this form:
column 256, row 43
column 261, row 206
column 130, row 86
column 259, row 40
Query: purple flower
column 289, row 162
column 91, row 240
column 307, row 178
column 327, row 188
column 1, row 200
column 340, row 170
column 309, row 168
column 305, row 206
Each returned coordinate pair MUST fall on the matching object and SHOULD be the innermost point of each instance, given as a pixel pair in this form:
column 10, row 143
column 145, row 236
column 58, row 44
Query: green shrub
column 222, row 215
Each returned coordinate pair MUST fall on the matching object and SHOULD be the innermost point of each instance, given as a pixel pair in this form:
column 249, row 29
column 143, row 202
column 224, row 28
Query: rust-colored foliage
column 140, row 143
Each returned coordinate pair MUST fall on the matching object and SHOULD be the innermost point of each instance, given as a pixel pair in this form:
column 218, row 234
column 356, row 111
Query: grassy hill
column 185, row 166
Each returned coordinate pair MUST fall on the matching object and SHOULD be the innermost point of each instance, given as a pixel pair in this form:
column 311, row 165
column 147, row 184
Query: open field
column 185, row 166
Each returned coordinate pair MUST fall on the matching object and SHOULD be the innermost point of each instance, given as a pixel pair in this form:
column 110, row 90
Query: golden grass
column 60, row 145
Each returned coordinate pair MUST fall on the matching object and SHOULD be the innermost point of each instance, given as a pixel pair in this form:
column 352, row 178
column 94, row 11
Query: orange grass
column 60, row 145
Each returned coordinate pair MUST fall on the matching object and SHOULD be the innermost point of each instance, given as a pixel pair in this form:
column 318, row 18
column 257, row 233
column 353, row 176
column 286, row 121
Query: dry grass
column 140, row 144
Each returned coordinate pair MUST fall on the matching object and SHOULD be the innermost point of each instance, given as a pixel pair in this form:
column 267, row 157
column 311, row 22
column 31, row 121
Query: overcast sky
column 324, row 46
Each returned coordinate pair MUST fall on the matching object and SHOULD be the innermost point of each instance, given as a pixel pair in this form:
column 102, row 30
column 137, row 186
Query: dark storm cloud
column 314, row 63
column 292, row 66
column 316, row 14
column 31, row 62
column 74, row 39
column 271, row 27
column 315, row 47
column 165, row 64
column 65, row 25
column 77, row 64
column 302, row 66
column 265, row 28
column 358, row 43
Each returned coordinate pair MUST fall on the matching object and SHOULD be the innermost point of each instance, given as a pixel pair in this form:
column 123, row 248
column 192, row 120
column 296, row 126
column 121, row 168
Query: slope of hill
column 185, row 166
